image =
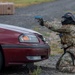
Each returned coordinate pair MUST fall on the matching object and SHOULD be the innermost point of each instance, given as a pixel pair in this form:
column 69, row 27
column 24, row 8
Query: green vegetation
column 55, row 49
column 36, row 71
column 39, row 29
column 21, row 3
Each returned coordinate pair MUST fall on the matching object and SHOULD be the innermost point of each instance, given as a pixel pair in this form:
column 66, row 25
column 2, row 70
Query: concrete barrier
column 7, row 8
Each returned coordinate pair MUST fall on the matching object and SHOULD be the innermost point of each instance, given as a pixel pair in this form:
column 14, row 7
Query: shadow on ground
column 15, row 70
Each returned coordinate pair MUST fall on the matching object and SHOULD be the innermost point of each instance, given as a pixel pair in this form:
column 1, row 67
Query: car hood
column 17, row 29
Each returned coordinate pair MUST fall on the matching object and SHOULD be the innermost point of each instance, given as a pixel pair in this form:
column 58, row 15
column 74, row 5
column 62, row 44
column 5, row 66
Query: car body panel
column 12, row 32
column 16, row 52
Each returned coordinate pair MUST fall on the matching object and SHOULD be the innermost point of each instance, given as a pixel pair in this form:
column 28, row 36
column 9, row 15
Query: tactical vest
column 66, row 39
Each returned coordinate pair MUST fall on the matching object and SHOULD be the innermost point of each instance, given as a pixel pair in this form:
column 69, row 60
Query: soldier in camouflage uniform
column 67, row 31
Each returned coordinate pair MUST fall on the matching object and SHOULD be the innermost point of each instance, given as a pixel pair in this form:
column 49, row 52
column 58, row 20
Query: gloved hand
column 40, row 20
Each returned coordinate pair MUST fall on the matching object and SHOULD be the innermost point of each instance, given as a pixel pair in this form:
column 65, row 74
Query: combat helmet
column 68, row 18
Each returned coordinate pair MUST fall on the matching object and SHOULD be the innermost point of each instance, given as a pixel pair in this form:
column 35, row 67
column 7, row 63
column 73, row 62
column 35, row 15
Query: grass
column 21, row 3
column 55, row 50
column 36, row 71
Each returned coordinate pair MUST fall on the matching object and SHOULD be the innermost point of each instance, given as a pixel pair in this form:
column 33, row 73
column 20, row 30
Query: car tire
column 63, row 62
column 1, row 61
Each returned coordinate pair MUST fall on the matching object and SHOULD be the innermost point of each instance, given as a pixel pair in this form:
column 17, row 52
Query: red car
column 20, row 45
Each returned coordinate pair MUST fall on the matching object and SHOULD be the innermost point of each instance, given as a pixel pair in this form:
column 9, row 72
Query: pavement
column 24, row 17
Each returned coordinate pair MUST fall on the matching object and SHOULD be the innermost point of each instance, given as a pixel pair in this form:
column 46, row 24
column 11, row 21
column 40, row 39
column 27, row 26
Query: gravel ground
column 47, row 68
column 24, row 17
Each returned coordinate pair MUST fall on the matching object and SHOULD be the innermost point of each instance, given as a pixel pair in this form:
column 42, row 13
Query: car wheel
column 65, row 62
column 1, row 60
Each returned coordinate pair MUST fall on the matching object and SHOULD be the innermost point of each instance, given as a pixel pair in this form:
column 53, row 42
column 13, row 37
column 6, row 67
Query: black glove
column 41, row 22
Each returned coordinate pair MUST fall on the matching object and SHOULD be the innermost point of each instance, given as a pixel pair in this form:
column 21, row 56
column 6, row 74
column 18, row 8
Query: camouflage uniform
column 68, row 39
